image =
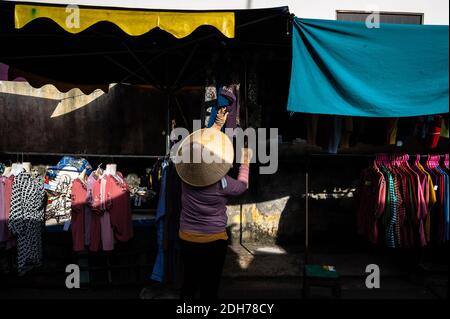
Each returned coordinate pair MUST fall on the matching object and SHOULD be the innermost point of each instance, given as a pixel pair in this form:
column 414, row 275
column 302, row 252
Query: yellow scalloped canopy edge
column 134, row 23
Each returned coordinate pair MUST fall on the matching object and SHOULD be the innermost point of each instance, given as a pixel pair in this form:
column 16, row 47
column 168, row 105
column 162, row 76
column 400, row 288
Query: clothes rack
column 327, row 155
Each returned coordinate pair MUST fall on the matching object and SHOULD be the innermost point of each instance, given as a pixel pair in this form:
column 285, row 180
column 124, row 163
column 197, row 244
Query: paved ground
column 254, row 272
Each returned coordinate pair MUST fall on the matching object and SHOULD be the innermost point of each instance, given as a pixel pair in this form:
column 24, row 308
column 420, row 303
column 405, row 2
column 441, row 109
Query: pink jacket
column 111, row 213
column 7, row 183
column 79, row 201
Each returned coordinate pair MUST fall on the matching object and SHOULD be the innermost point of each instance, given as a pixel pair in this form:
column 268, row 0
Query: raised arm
column 238, row 186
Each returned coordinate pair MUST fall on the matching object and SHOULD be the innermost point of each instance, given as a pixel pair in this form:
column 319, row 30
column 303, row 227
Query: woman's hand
column 246, row 156
column 221, row 118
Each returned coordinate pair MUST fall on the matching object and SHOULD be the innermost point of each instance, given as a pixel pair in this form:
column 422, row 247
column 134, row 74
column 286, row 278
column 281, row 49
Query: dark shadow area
column 117, row 274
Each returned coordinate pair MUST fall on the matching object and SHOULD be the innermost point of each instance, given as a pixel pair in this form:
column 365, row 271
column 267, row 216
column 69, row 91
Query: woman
column 203, row 224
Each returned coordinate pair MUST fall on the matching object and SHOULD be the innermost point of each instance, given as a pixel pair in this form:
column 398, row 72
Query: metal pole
column 168, row 125
column 240, row 226
column 246, row 92
column 169, row 93
column 306, row 213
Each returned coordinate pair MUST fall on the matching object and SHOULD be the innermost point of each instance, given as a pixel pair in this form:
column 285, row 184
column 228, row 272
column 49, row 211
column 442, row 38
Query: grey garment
column 253, row 110
column 210, row 97
column 26, row 219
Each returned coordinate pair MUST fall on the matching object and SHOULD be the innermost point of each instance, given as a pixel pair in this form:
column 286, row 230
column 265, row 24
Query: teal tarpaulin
column 345, row 68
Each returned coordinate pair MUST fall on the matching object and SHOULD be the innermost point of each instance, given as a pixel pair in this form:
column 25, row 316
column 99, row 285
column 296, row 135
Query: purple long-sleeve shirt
column 204, row 208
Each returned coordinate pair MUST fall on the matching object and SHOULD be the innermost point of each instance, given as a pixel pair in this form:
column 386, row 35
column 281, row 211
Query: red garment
column 372, row 201
column 434, row 132
column 79, row 202
column 422, row 204
column 117, row 204
column 411, row 206
column 95, row 233
column 8, row 191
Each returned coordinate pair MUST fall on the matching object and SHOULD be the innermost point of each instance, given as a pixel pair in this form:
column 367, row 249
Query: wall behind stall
column 435, row 11
column 126, row 120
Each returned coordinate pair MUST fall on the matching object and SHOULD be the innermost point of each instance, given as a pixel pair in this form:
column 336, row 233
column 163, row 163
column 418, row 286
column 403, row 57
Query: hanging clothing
column 231, row 92
column 79, row 205
column 210, row 100
column 80, row 164
column 26, row 219
column 253, row 110
column 4, row 233
column 434, row 132
column 372, row 201
column 58, row 183
column 7, row 184
column 391, row 130
column 444, row 127
column 444, row 197
column 58, row 206
column 222, row 101
column 311, row 128
column 111, row 213
column 336, row 135
column 105, row 220
column 88, row 208
column 416, row 203
column 172, row 226
column 158, row 268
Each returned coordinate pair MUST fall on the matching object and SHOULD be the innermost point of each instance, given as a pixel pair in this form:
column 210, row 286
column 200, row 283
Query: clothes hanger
column 99, row 171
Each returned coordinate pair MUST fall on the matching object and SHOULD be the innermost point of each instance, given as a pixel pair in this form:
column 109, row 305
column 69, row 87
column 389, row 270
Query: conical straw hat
column 204, row 157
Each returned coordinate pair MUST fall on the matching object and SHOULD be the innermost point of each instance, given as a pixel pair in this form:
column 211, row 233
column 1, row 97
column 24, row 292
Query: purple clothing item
column 232, row 93
column 204, row 208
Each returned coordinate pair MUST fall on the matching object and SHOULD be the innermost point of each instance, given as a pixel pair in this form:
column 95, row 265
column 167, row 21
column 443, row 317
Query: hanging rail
column 82, row 155
column 304, row 157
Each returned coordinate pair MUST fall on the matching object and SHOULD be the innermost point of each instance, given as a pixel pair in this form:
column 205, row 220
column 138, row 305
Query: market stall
column 154, row 57
column 350, row 71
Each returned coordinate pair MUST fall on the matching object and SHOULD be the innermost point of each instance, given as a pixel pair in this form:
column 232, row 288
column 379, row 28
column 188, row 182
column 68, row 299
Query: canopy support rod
column 147, row 71
column 186, row 80
column 186, row 63
column 145, row 64
column 178, row 104
column 179, row 46
column 126, row 69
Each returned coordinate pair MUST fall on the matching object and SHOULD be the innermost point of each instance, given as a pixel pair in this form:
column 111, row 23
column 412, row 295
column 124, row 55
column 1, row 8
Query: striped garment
column 391, row 204
column 26, row 219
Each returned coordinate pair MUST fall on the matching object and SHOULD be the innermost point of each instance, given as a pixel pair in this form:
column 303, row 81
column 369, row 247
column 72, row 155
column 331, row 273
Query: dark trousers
column 203, row 265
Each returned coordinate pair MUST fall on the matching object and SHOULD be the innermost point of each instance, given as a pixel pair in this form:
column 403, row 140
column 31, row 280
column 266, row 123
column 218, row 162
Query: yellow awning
column 179, row 24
